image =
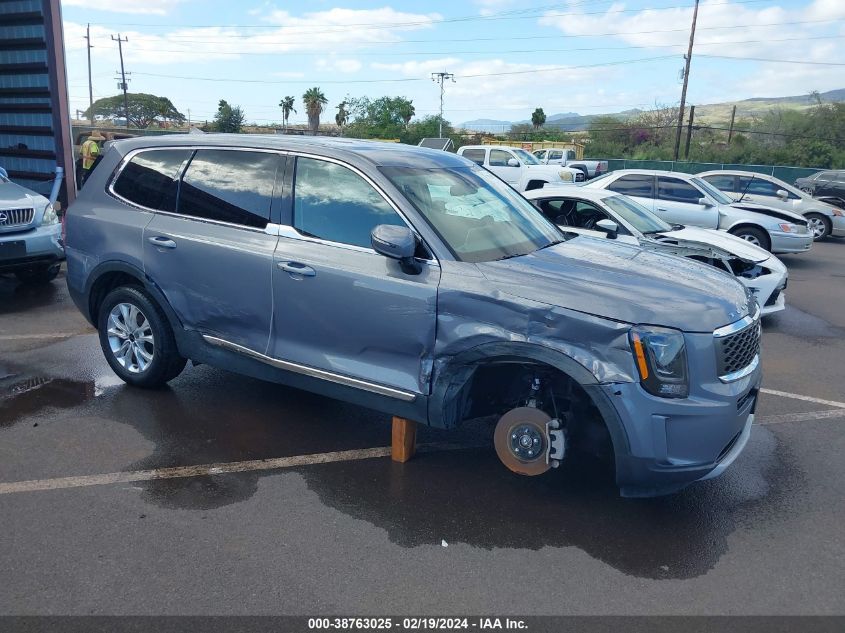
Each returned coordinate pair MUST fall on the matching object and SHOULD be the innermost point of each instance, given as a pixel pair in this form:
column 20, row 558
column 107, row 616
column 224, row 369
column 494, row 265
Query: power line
column 775, row 61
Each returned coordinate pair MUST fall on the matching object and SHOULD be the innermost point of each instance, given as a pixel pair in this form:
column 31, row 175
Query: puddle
column 24, row 396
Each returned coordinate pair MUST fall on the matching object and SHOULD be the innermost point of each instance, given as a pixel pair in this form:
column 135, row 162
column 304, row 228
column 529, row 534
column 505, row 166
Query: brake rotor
column 521, row 440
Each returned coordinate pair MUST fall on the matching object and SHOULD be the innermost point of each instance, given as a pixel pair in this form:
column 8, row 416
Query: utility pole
column 689, row 131
column 90, row 86
column 688, row 58
column 731, row 130
column 120, row 41
column 441, row 78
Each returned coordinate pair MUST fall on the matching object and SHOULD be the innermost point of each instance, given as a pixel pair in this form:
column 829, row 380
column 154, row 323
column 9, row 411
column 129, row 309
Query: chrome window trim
column 736, row 326
column 313, row 372
column 297, row 235
column 191, row 148
column 741, row 373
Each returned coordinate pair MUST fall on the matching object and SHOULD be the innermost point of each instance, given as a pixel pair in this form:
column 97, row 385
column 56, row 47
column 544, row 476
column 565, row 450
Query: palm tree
column 286, row 104
column 407, row 111
column 314, row 100
column 342, row 116
column 538, row 118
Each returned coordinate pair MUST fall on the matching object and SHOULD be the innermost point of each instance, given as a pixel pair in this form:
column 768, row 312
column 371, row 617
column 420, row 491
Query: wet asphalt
column 367, row 536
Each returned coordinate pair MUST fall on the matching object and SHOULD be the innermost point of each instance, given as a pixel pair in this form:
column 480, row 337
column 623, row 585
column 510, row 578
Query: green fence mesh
column 787, row 174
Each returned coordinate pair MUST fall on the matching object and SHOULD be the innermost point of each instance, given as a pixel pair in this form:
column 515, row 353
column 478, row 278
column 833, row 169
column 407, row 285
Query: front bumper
column 790, row 242
column 837, row 226
column 42, row 247
column 670, row 443
column 769, row 288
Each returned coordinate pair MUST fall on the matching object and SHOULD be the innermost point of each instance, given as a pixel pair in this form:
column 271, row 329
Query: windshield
column 714, row 193
column 477, row 215
column 525, row 157
column 636, row 215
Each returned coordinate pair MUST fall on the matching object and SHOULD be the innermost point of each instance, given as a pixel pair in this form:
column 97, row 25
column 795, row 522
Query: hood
column 780, row 214
column 14, row 196
column 623, row 283
column 549, row 168
column 735, row 246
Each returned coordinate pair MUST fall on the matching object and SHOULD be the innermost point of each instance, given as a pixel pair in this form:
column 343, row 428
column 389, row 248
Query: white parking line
column 798, row 396
column 27, row 337
column 802, row 417
column 213, row 469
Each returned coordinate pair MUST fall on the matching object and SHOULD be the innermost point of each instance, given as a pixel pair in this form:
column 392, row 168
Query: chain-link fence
column 787, row 174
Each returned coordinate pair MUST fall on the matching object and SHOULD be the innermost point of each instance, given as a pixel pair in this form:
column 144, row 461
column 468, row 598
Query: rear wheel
column 38, row 274
column 137, row 340
column 756, row 236
column 819, row 225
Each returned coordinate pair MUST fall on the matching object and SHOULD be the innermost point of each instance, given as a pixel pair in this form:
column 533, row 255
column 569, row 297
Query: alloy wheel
column 817, row 226
column 131, row 338
column 751, row 238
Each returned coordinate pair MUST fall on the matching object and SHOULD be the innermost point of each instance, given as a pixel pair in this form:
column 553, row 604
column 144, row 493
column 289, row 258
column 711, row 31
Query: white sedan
column 602, row 213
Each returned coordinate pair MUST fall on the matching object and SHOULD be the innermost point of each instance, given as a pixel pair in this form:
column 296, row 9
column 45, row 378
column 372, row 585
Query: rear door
column 341, row 307
column 212, row 257
column 678, row 202
column 765, row 192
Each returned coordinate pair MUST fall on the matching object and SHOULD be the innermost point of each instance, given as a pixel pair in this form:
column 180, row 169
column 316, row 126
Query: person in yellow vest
column 89, row 151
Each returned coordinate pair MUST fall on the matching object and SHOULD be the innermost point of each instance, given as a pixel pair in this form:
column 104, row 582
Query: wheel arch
column 746, row 224
column 454, row 376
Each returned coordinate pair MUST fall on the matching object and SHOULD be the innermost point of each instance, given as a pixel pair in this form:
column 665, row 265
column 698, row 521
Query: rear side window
column 150, row 179
column 334, row 203
column 230, row 186
column 634, row 185
column 677, row 190
column 475, row 155
column 725, row 183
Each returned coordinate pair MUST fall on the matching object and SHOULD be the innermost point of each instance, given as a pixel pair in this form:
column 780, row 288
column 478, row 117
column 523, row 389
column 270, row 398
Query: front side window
column 499, row 158
column 676, row 190
column 151, row 178
column 828, row 175
column 556, row 155
column 333, row 203
column 229, row 186
column 478, row 216
column 636, row 215
column 475, row 155
column 757, row 187
column 634, row 185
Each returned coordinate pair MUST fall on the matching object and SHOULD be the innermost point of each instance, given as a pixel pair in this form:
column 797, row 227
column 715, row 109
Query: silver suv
column 416, row 283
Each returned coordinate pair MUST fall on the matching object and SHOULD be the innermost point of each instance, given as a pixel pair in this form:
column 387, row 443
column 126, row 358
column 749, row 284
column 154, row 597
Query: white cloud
column 339, row 65
column 331, row 31
column 157, row 7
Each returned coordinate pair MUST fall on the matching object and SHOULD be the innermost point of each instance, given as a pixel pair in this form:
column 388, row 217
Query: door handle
column 161, row 242
column 660, row 209
column 295, row 268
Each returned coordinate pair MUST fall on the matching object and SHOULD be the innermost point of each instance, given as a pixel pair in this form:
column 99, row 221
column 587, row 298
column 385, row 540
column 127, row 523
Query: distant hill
column 707, row 113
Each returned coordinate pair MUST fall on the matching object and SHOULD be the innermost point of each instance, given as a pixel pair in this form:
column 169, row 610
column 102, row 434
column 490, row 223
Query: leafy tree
column 314, row 100
column 342, row 116
column 385, row 117
column 538, row 118
column 429, row 127
column 286, row 104
column 228, row 118
column 143, row 109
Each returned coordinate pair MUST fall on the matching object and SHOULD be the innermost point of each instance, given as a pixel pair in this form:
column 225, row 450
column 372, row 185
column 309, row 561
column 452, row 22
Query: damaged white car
column 599, row 212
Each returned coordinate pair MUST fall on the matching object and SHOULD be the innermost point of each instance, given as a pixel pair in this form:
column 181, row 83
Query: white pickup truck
column 518, row 168
column 566, row 157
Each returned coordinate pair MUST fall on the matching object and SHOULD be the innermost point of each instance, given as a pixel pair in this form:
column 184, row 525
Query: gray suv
column 416, row 283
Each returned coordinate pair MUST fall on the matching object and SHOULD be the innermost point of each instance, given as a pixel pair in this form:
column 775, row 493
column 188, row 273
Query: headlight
column 50, row 216
column 838, row 213
column 565, row 176
column 661, row 358
column 788, row 227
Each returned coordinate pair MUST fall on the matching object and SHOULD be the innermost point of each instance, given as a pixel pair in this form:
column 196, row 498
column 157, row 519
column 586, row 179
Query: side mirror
column 512, row 162
column 705, row 202
column 782, row 194
column 396, row 242
column 608, row 226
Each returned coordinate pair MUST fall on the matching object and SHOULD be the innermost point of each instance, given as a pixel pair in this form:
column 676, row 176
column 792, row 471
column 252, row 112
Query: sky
column 508, row 56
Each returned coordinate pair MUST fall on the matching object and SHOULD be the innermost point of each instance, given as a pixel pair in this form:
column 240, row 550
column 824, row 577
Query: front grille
column 736, row 351
column 15, row 217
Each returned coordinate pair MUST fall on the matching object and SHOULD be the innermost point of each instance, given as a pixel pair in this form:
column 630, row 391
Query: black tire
column 166, row 363
column 754, row 235
column 38, row 275
column 820, row 226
